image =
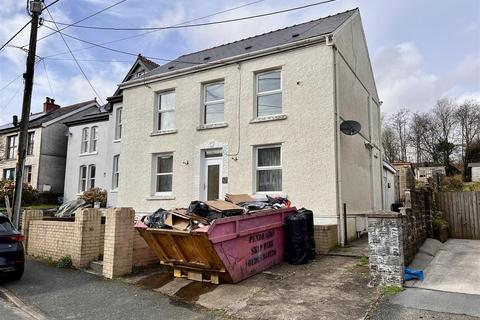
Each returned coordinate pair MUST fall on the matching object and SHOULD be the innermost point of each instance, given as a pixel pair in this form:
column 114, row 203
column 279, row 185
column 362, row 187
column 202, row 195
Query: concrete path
column 455, row 268
column 70, row 294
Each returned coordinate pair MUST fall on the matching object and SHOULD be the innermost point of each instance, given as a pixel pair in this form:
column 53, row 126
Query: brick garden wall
column 142, row 254
column 51, row 239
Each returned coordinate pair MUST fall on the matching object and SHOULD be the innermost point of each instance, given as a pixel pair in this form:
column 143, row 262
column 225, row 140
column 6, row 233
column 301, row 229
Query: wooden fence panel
column 462, row 211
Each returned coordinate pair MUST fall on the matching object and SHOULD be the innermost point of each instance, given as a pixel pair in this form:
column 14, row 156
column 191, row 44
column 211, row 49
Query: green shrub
column 29, row 194
column 454, row 183
column 475, row 186
column 439, row 222
column 64, row 262
column 95, row 195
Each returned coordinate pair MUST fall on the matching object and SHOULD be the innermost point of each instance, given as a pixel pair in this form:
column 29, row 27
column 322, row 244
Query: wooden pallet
column 196, row 275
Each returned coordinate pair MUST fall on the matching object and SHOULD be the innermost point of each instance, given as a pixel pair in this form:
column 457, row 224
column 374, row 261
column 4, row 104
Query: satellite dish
column 350, row 127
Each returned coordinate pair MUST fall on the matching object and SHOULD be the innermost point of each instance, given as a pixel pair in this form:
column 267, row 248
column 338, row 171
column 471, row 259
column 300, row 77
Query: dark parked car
column 12, row 257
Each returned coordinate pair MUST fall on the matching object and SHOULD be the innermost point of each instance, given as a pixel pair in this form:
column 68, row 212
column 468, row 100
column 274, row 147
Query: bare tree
column 399, row 122
column 416, row 135
column 467, row 115
column 390, row 144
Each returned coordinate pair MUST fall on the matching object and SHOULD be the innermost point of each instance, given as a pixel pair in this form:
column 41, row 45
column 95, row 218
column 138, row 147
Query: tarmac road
column 71, row 294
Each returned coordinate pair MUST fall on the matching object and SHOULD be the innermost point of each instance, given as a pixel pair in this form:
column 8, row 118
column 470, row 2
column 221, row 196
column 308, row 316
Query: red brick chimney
column 49, row 105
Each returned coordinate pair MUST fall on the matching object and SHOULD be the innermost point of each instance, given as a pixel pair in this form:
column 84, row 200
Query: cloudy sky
column 421, row 50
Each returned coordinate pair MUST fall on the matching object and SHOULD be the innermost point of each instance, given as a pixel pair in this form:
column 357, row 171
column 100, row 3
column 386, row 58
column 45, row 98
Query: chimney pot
column 49, row 105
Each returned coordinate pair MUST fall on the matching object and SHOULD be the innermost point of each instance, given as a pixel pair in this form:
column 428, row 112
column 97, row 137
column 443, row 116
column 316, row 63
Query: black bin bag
column 310, row 231
column 296, row 239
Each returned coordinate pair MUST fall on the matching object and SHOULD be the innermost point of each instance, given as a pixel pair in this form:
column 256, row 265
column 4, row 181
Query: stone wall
column 406, row 178
column 417, row 221
column 385, row 245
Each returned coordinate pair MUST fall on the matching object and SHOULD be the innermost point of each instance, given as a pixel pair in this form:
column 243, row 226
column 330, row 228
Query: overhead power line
column 149, row 32
column 74, row 58
column 51, row 4
column 16, row 34
column 81, row 20
column 11, row 98
column 200, row 24
column 8, row 84
column 48, row 78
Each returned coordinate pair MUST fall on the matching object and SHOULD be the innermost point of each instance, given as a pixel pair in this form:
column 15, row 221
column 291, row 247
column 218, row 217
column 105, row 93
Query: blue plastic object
column 413, row 274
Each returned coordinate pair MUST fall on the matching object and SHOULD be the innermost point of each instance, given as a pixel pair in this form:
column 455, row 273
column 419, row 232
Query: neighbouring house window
column 82, row 186
column 93, row 139
column 118, row 124
column 268, row 169
column 166, row 111
column 12, row 146
column 9, row 174
column 115, row 172
column 213, row 102
column 163, row 173
column 269, row 93
column 91, row 176
column 84, row 140
column 27, row 174
column 31, row 136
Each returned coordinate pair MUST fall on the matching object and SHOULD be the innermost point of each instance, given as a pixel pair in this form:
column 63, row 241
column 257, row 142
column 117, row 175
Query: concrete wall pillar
column 385, row 244
column 118, row 247
column 27, row 216
column 87, row 237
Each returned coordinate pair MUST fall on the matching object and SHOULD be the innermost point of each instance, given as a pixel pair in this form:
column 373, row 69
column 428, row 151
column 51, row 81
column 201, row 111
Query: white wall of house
column 475, row 174
column 113, row 149
column 76, row 159
column 389, row 186
column 306, row 135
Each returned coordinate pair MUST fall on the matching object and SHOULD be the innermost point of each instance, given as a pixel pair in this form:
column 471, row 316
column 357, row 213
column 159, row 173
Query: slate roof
column 39, row 118
column 271, row 39
column 95, row 115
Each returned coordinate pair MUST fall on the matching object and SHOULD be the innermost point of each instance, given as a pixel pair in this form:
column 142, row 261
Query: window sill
column 163, row 132
column 88, row 154
column 165, row 197
column 212, row 126
column 117, row 140
column 269, row 118
column 114, row 191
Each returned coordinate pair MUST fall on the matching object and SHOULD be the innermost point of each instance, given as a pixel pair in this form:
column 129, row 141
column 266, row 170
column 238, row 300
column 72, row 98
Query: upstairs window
column 31, row 136
column 213, row 102
column 269, row 93
column 27, row 174
column 118, row 124
column 163, row 173
column 268, row 173
column 84, row 148
column 166, row 111
column 93, row 139
column 12, row 145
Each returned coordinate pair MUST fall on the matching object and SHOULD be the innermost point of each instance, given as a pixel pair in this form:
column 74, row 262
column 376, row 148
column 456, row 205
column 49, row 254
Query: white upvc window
column 91, row 176
column 118, row 124
column 268, row 169
column 9, row 174
column 31, row 136
column 82, row 184
column 27, row 174
column 115, row 172
column 268, row 93
column 213, row 102
column 165, row 111
column 93, row 139
column 163, row 174
column 12, row 147
column 85, row 141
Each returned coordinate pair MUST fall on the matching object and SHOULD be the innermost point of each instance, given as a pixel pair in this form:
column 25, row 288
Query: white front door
column 211, row 182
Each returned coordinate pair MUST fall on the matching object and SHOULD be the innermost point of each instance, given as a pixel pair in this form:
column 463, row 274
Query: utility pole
column 36, row 8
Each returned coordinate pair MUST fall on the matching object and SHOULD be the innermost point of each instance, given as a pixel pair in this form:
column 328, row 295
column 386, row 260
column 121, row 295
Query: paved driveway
column 455, row 268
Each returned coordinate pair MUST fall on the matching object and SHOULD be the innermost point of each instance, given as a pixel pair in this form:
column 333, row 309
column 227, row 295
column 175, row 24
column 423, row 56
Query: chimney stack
column 49, row 105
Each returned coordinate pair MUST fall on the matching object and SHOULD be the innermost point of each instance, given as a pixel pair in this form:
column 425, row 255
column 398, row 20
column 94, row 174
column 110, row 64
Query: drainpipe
column 340, row 222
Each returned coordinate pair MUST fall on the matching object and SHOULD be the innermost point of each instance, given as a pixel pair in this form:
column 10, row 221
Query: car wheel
column 17, row 274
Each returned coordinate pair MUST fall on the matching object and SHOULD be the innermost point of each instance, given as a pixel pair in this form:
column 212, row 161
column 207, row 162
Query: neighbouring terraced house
column 261, row 116
column 46, row 148
column 94, row 142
